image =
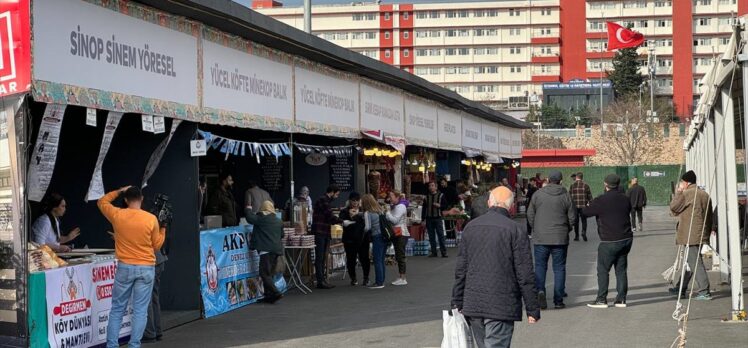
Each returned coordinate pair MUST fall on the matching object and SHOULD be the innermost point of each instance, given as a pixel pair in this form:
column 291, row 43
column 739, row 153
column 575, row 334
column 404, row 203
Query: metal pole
column 652, row 67
column 308, row 16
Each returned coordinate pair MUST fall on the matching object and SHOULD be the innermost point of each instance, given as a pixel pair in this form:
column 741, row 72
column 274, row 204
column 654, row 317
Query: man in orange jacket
column 136, row 237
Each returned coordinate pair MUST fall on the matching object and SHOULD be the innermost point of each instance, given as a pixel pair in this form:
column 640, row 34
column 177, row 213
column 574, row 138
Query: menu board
column 341, row 171
column 272, row 174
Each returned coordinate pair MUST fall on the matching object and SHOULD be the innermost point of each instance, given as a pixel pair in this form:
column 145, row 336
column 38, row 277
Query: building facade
column 502, row 52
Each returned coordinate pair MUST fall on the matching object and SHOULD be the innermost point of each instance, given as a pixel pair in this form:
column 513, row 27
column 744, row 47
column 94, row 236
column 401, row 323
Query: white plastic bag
column 457, row 333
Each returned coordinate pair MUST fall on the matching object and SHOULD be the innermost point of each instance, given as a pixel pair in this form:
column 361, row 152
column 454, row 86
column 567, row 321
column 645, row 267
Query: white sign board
column 159, row 124
column 450, row 129
column 241, row 82
column 198, row 148
column 505, row 139
column 326, row 100
column 490, row 141
column 382, row 110
column 44, row 157
column 516, row 143
column 81, row 44
column 147, row 122
column 472, row 133
column 421, row 123
column 91, row 117
column 96, row 186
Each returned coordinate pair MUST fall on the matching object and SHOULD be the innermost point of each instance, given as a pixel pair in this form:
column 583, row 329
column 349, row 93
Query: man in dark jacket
column 551, row 215
column 638, row 197
column 614, row 227
column 494, row 274
column 321, row 221
column 432, row 218
column 581, row 195
column 267, row 231
column 222, row 201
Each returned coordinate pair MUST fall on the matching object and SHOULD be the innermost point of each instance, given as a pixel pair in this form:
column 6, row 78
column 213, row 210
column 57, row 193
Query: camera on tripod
column 162, row 209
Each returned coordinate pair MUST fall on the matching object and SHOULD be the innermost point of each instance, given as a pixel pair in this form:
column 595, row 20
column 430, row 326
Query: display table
column 294, row 263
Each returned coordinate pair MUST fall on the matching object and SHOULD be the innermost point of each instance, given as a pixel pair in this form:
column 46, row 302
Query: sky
column 296, row 3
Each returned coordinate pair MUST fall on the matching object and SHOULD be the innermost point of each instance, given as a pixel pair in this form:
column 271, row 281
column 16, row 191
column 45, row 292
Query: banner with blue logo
column 229, row 271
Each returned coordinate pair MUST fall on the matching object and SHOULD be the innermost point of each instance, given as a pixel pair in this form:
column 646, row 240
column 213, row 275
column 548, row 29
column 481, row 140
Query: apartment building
column 501, row 52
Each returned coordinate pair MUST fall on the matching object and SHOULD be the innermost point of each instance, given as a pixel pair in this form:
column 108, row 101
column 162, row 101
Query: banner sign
column 472, row 133
column 15, row 47
column 82, row 44
column 421, row 123
column 450, row 130
column 44, row 157
column 326, row 104
column 573, row 85
column 79, row 299
column 96, row 187
column 158, row 153
column 229, row 271
column 245, row 83
column 382, row 110
column 490, row 142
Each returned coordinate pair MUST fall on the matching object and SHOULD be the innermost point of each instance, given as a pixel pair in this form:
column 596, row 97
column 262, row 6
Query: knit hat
column 689, row 177
column 613, row 181
column 555, row 176
column 501, row 194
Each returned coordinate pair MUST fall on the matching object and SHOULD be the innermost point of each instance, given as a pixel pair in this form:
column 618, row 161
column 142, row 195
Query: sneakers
column 703, row 297
column 598, row 304
column 674, row 291
column 366, row 282
column 559, row 306
column 400, row 282
column 376, row 286
column 354, row 282
column 542, row 300
column 620, row 304
column 584, row 237
column 325, row 286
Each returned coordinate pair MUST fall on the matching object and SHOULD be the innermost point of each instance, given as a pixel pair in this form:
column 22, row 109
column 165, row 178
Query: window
column 545, row 31
column 485, row 32
column 515, row 69
column 406, row 35
column 664, row 83
column 513, row 13
column 515, row 31
column 635, row 4
column 329, row 36
column 342, row 36
column 434, row 14
column 386, row 35
column 663, row 63
column 596, row 26
column 667, row 3
column 387, row 16
column 357, row 36
column 703, row 21
column 724, row 40
column 406, row 53
column 371, row 35
column 463, row 33
column 364, row 16
column 515, row 88
column 703, row 42
column 485, row 88
column 546, row 50
column 492, row 13
column 451, row 14
column 702, row 3
column 463, row 14
column 666, row 130
column 458, row 51
column 664, row 43
column 422, row 33
column 479, row 13
column 486, row 70
column 515, row 50
column 435, row 71
column 423, row 52
column 451, row 33
column 643, row 23
column 387, row 53
column 451, row 70
column 545, row 12
column 422, row 71
column 663, row 23
column 405, row 16
column 545, row 69
column 463, row 70
column 435, row 33
column 726, row 21
column 370, row 53
column 421, row 15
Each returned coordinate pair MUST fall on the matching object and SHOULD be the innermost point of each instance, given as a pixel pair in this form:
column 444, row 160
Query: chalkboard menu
column 341, row 171
column 272, row 174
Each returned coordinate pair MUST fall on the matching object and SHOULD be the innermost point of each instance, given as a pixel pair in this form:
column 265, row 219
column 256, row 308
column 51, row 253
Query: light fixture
column 368, row 152
column 407, row 162
column 421, row 168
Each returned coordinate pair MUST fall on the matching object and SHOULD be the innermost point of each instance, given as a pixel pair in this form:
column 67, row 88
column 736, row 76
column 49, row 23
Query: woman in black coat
column 355, row 240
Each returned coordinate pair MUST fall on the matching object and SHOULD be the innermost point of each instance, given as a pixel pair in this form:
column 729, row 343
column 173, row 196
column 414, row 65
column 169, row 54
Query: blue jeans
column 135, row 281
column 542, row 254
column 379, row 248
column 435, row 228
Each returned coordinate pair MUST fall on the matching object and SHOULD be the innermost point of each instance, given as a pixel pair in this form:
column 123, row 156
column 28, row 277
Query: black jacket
column 613, row 212
column 638, row 196
column 353, row 234
column 494, row 271
column 222, row 203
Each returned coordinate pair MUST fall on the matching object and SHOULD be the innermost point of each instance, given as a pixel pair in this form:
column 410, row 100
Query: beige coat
column 692, row 202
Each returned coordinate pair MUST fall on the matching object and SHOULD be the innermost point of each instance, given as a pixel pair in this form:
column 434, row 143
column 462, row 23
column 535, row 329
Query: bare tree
column 630, row 137
column 531, row 141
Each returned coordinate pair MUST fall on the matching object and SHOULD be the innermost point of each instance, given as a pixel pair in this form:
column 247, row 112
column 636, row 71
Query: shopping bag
column 457, row 332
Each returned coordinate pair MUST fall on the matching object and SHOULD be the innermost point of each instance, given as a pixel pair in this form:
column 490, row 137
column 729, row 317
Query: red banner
column 15, row 47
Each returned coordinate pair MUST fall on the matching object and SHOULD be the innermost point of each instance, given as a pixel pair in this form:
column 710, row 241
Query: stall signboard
column 326, row 105
column 341, row 171
column 245, row 83
column 229, row 271
column 15, row 47
column 490, row 143
column 382, row 110
column 79, row 299
column 421, row 123
column 472, row 133
column 78, row 43
column 450, row 129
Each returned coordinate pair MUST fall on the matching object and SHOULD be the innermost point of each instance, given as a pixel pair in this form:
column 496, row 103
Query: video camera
column 162, row 209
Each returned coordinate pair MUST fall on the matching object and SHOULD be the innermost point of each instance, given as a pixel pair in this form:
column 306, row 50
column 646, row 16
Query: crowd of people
column 495, row 272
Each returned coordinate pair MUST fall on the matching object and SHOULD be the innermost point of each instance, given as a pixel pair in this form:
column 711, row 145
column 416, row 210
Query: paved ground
column 411, row 316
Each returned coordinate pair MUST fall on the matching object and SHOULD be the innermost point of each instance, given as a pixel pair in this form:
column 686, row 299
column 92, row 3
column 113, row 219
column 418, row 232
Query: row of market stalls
column 716, row 135
column 162, row 94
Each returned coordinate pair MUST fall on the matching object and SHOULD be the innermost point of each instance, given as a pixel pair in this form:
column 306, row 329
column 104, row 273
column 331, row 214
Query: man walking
column 551, row 215
column 614, row 227
column 581, row 195
column 638, row 197
column 255, row 196
column 693, row 207
column 494, row 274
column 323, row 219
column 431, row 216
column 136, row 237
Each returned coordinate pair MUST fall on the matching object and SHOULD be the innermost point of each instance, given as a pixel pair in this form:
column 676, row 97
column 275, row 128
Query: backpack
column 388, row 230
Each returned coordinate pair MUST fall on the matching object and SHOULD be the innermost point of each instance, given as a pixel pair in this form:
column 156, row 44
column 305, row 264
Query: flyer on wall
column 155, row 159
column 45, row 152
column 96, row 187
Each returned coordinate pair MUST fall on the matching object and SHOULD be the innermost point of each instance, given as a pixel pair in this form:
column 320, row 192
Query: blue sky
column 295, row 3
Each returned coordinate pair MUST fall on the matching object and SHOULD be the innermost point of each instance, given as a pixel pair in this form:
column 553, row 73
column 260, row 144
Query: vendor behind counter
column 46, row 228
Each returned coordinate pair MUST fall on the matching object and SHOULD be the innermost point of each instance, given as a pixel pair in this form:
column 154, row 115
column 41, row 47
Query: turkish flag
column 620, row 37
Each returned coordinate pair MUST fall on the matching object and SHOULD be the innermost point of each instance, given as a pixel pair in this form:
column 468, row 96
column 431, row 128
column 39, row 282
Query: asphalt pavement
column 410, row 316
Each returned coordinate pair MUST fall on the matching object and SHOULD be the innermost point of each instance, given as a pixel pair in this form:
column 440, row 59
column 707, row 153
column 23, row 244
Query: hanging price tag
column 91, row 117
column 147, row 123
column 159, row 125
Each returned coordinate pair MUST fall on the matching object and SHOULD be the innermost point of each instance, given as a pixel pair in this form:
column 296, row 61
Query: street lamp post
column 652, row 70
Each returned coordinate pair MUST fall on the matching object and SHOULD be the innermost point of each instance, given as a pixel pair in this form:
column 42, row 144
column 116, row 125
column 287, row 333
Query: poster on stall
column 155, row 159
column 96, row 187
column 102, row 284
column 341, row 171
column 45, row 152
column 229, row 271
column 69, row 307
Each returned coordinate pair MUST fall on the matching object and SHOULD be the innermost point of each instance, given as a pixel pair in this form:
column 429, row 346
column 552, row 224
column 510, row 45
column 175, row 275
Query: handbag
column 388, row 230
column 398, row 231
column 457, row 332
